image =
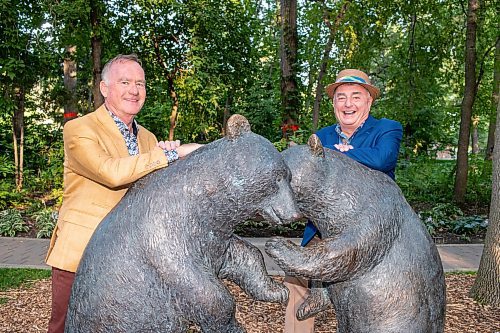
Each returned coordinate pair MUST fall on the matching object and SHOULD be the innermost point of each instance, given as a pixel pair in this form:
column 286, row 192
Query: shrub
column 467, row 226
column 45, row 221
column 447, row 217
column 298, row 137
column 425, row 179
column 8, row 194
column 440, row 217
column 11, row 222
column 7, row 168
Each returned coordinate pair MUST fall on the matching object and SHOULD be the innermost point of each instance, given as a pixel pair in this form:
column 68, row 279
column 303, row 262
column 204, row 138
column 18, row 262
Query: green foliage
column 223, row 57
column 438, row 217
column 11, row 278
column 467, row 226
column 45, row 221
column 298, row 137
column 7, row 168
column 8, row 194
column 479, row 180
column 11, row 222
column 425, row 179
column 430, row 181
column 446, row 217
column 298, row 225
column 461, row 273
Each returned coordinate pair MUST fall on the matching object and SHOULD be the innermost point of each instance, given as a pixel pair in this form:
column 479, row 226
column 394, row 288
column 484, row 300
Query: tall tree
column 467, row 102
column 474, row 137
column 72, row 30
column 486, row 288
column 21, row 65
column 163, row 41
column 289, row 66
column 494, row 101
column 70, row 81
column 96, row 50
column 18, row 134
column 332, row 28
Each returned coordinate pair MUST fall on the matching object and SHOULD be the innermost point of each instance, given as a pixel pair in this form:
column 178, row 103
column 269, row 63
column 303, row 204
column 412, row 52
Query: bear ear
column 237, row 125
column 315, row 145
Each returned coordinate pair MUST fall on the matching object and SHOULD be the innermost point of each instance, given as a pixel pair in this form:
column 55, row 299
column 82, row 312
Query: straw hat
column 353, row 76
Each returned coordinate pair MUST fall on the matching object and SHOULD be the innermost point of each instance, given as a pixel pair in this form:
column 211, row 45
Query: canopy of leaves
column 222, row 57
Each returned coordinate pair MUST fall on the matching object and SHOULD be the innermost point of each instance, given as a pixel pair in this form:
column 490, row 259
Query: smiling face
column 352, row 104
column 124, row 89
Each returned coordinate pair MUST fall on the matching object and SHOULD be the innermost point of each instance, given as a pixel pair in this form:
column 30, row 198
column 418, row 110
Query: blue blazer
column 376, row 145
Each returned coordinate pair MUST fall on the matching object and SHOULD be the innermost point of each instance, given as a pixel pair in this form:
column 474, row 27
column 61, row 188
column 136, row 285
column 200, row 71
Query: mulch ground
column 27, row 310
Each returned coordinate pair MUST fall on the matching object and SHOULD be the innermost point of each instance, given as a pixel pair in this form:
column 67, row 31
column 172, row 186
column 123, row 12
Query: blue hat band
column 353, row 79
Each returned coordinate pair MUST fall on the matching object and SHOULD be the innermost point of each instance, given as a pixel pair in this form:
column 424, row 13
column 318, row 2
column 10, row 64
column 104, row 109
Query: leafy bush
column 11, row 222
column 45, row 221
column 252, row 224
column 440, row 217
column 479, row 180
column 298, row 137
column 7, row 168
column 8, row 194
column 467, row 226
column 446, row 217
column 425, row 179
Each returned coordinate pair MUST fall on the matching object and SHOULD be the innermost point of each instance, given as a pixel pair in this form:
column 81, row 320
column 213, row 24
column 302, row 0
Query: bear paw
column 317, row 301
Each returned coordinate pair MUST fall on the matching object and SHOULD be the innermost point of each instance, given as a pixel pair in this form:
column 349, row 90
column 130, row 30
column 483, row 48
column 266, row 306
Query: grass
column 15, row 277
column 12, row 278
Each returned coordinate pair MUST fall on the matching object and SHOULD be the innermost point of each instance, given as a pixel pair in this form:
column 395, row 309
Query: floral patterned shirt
column 129, row 137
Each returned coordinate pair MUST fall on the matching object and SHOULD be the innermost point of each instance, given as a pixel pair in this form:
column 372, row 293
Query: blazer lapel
column 365, row 131
column 142, row 139
column 110, row 129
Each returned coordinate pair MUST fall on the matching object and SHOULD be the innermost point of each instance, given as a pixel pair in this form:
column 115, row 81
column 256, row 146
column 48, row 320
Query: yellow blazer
column 97, row 173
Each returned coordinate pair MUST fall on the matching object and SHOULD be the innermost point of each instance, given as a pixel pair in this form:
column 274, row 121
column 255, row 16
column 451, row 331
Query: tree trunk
column 326, row 56
column 288, row 50
column 175, row 107
column 227, row 112
column 96, row 45
column 412, row 70
column 494, row 99
column 18, row 136
column 467, row 103
column 169, row 75
column 70, row 107
column 475, row 135
column 486, row 288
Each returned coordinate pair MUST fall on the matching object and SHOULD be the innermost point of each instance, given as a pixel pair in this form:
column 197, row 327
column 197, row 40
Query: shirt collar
column 343, row 138
column 122, row 126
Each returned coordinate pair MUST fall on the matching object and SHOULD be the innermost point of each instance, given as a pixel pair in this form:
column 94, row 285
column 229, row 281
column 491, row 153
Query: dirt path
column 27, row 310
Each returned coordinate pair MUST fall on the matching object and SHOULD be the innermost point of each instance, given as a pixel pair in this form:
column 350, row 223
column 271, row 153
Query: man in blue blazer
column 370, row 141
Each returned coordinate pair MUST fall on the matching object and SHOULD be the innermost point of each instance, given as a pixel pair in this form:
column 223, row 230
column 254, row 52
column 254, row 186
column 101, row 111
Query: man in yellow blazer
column 105, row 152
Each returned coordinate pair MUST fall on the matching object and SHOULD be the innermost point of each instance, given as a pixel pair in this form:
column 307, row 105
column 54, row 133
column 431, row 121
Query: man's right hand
column 169, row 145
column 343, row 148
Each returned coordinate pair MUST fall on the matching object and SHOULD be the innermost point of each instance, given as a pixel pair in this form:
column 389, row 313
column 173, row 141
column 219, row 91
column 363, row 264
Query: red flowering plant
column 291, row 134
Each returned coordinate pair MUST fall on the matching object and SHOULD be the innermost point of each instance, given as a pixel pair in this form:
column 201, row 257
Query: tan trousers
column 298, row 292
